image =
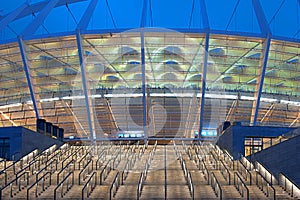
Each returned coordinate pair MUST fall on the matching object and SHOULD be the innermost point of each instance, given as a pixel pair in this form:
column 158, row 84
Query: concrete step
column 230, row 192
column 204, row 192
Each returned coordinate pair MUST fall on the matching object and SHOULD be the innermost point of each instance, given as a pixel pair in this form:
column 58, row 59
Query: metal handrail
column 17, row 182
column 83, row 158
column 36, row 183
column 87, row 169
column 228, row 156
column 242, row 186
column 247, row 172
column 65, row 168
column 266, row 173
column 215, row 185
column 202, row 166
column 114, row 185
column 104, row 173
column 61, row 185
column 90, row 184
column 140, row 185
column 225, row 172
column 289, row 186
column 215, row 160
column 264, row 184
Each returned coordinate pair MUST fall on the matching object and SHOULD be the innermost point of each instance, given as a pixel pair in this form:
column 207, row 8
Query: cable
column 71, row 13
column 192, row 11
column 112, row 18
column 235, row 8
column 276, row 12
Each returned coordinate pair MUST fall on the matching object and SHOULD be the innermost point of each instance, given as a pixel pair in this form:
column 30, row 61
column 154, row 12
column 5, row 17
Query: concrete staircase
column 122, row 171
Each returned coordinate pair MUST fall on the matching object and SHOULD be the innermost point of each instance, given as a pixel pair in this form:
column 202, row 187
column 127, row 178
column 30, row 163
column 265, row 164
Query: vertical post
column 85, row 86
column 144, row 100
column 204, row 70
column 28, row 76
column 265, row 29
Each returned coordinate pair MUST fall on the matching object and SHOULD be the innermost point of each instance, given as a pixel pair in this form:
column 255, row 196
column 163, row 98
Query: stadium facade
column 99, row 69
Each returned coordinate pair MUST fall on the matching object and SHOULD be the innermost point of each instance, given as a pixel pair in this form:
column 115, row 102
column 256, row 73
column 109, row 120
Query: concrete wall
column 23, row 141
column 283, row 157
column 233, row 137
column 32, row 140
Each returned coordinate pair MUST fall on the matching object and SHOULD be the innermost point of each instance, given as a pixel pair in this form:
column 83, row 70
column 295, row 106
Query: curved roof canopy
column 76, row 63
column 60, row 17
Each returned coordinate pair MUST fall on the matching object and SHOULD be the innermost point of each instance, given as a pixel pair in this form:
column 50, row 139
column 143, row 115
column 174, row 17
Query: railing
column 114, row 186
column 100, row 159
column 65, row 185
column 140, row 185
column 203, row 167
column 289, row 186
column 247, row 163
column 214, row 161
column 215, row 185
column 229, row 159
column 16, row 181
column 87, row 169
column 83, row 160
column 71, row 163
column 241, row 186
column 89, row 186
column 104, row 173
column 187, row 176
column 225, row 172
column 265, row 173
column 264, row 185
column 242, row 169
column 46, row 176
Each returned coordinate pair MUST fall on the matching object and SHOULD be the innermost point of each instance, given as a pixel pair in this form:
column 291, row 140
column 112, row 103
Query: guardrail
column 71, row 163
column 215, row 185
column 289, row 186
column 242, row 169
column 214, row 161
column 65, row 185
column 89, row 186
column 264, row 185
column 16, row 181
column 104, row 173
column 203, row 167
column 87, row 169
column 241, row 186
column 140, row 185
column 46, row 176
column 247, row 163
column 265, row 173
column 114, row 186
column 225, row 172
column 229, row 159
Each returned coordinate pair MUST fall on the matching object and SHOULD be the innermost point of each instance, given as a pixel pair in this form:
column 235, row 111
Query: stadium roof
column 231, row 17
column 59, row 58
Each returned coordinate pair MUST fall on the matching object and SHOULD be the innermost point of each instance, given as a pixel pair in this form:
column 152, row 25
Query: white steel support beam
column 265, row 29
column 28, row 77
column 204, row 70
column 143, row 66
column 86, row 88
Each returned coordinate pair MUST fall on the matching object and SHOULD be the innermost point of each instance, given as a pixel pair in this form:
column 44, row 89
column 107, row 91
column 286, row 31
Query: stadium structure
column 160, row 88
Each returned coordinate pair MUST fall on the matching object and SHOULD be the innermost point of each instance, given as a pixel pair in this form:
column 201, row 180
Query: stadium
column 133, row 91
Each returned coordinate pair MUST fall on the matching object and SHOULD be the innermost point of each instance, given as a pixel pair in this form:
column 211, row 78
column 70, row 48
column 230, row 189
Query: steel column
column 28, row 75
column 204, row 70
column 265, row 29
column 85, row 85
column 143, row 65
